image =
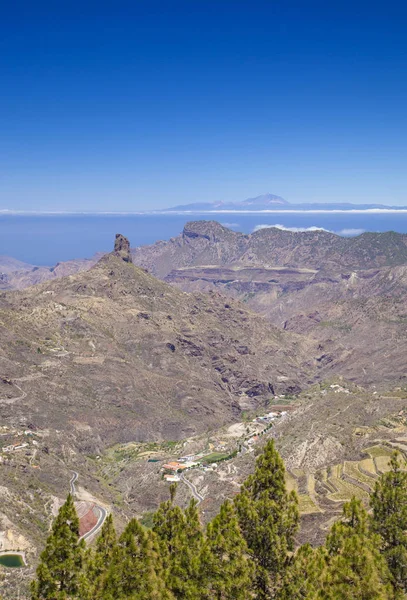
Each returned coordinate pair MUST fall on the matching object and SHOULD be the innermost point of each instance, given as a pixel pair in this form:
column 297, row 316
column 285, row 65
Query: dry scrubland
column 111, row 368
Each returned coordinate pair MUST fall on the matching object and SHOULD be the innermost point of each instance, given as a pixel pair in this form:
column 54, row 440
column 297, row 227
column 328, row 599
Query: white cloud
column 351, row 232
column 294, row 229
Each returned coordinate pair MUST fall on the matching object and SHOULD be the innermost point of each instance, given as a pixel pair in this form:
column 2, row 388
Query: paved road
column 193, row 489
column 72, row 484
column 99, row 524
column 102, row 511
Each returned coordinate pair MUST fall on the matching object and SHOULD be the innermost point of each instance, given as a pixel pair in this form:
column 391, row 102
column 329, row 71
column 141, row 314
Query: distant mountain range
column 270, row 202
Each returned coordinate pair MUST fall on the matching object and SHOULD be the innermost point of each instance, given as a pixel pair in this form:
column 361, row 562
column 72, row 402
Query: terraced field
column 377, row 451
column 307, row 504
column 342, row 481
column 367, row 465
column 345, row 490
column 353, row 470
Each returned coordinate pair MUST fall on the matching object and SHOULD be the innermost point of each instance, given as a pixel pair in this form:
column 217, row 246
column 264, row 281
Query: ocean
column 48, row 239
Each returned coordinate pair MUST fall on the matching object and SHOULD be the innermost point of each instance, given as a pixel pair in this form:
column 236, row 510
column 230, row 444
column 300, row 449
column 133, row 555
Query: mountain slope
column 122, row 355
column 344, row 293
column 8, row 265
column 358, row 318
column 209, row 243
column 16, row 275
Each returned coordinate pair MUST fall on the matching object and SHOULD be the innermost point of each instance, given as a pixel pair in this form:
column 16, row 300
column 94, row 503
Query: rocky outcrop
column 122, row 248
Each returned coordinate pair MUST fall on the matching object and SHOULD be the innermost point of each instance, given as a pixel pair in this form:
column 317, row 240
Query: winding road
column 72, row 484
column 193, row 489
column 100, row 521
column 102, row 511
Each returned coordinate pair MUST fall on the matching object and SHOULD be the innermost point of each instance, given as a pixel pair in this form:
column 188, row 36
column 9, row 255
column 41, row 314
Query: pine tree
column 389, row 519
column 355, row 567
column 227, row 571
column 59, row 572
column 303, row 577
column 193, row 528
column 97, row 563
column 181, row 537
column 136, row 570
column 268, row 518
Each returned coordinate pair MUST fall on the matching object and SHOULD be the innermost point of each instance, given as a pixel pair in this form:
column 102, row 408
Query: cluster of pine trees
column 246, row 552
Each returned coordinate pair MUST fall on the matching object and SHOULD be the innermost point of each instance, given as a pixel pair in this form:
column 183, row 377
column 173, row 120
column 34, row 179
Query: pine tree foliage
column 269, row 518
column 246, row 552
column 389, row 519
column 136, row 570
column 355, row 567
column 303, row 577
column 193, row 529
column 227, row 571
column 180, row 534
column 60, row 569
column 97, row 562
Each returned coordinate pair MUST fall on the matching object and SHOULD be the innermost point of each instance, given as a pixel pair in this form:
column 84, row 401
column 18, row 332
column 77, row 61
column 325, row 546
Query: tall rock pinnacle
column 122, row 248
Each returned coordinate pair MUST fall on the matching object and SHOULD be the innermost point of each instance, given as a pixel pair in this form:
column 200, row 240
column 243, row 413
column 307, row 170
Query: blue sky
column 147, row 104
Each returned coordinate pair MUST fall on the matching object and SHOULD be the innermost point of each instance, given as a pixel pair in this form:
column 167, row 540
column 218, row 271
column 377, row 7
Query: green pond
column 11, row 560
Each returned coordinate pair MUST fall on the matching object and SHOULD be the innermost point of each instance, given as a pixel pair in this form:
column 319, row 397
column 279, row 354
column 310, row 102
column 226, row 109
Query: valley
column 131, row 382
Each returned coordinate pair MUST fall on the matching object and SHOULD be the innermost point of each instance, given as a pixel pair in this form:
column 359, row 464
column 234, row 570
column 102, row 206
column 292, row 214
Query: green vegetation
column 269, row 519
column 61, row 567
column 389, row 504
column 147, row 519
column 246, row 552
column 216, row 457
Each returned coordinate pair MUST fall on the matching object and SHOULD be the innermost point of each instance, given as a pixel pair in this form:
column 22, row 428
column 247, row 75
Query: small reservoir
column 12, row 560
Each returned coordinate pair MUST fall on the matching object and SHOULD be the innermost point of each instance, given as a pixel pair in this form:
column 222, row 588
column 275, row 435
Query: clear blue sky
column 147, row 104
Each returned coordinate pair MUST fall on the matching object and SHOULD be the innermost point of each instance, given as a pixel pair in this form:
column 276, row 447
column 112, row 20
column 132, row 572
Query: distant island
column 273, row 203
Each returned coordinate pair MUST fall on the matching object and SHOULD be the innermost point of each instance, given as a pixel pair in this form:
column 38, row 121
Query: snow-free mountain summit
column 272, row 203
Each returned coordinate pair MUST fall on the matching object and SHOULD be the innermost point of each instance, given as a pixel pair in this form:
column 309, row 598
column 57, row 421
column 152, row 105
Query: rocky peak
column 122, row 248
column 210, row 230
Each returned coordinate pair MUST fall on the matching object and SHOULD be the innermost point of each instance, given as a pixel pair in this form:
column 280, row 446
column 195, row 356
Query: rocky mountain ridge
column 208, row 243
column 346, row 295
column 115, row 341
column 15, row 275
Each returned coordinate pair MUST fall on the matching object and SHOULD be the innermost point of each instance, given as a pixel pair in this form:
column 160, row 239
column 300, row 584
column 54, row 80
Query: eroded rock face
column 122, row 248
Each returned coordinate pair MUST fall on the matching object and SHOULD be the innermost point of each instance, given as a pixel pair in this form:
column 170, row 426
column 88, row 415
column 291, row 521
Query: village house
column 174, row 466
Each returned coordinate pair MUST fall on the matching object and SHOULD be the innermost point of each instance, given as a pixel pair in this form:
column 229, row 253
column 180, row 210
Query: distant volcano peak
column 265, row 199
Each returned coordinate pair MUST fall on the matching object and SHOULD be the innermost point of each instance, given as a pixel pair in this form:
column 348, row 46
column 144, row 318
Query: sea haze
column 47, row 239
